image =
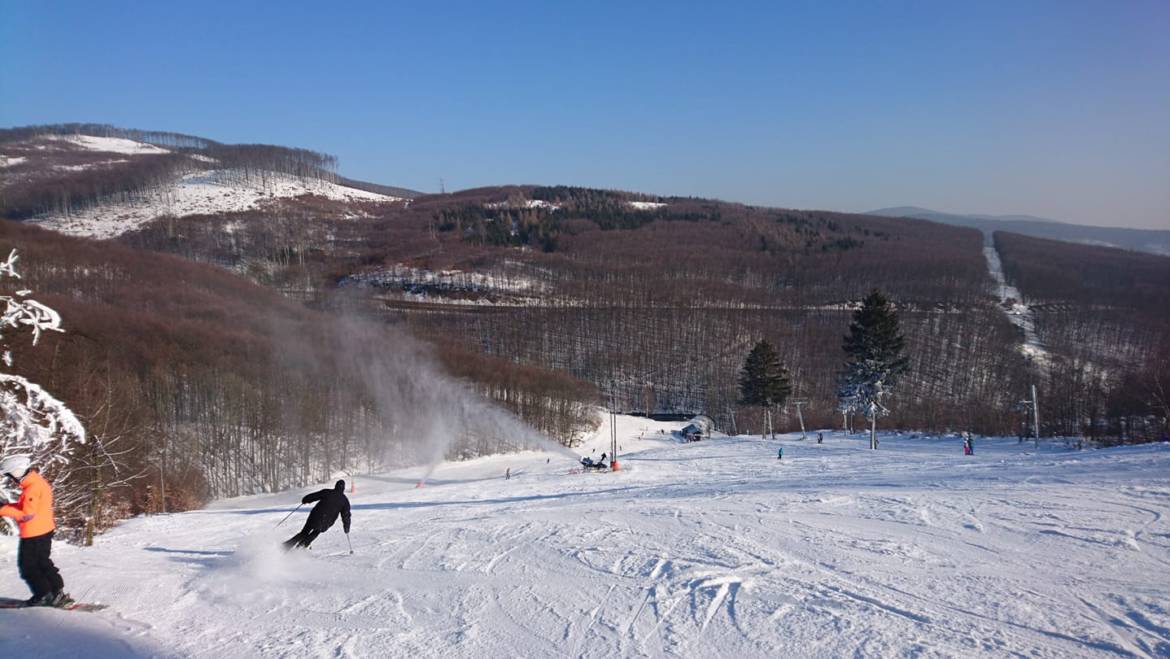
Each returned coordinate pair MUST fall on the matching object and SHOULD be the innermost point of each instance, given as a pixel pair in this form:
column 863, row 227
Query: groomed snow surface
column 710, row 549
column 199, row 193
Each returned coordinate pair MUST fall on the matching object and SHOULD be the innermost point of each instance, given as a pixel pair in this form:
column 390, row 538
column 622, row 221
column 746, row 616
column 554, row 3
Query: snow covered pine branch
column 32, row 421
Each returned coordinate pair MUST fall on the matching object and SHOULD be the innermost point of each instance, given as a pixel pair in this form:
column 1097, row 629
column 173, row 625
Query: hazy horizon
column 1052, row 109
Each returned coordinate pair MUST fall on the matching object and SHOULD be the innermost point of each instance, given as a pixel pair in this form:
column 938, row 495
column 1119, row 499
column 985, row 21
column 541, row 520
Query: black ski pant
column 304, row 538
column 36, row 568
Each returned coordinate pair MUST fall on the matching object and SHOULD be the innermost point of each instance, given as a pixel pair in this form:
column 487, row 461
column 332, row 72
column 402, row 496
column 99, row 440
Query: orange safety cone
column 613, row 466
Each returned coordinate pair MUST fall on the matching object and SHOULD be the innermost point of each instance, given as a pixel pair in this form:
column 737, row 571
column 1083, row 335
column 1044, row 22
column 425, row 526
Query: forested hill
column 194, row 382
column 545, row 299
column 657, row 300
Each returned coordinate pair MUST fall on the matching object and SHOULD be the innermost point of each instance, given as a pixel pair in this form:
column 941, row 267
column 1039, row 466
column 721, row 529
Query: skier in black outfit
column 331, row 503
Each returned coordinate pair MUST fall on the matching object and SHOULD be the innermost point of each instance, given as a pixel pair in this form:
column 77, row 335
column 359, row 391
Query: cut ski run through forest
column 714, row 548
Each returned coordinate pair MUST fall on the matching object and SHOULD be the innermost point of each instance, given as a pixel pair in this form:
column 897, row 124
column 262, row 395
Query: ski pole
column 289, row 515
column 350, row 542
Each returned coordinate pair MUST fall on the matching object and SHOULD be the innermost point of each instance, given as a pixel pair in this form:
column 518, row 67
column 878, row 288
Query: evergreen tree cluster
column 515, row 227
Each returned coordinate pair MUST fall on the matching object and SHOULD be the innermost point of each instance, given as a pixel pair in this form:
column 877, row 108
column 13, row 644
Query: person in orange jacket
column 34, row 514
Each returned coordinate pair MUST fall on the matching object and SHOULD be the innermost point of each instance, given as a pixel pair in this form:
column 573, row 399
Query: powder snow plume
column 425, row 414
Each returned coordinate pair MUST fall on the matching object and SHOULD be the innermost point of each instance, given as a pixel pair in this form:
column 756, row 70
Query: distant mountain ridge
column 1152, row 241
column 378, row 188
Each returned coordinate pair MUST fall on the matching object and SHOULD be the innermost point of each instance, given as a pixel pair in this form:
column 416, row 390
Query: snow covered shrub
column 32, row 421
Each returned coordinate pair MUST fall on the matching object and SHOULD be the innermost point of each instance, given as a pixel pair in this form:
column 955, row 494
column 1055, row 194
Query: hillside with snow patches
column 1012, row 304
column 107, row 144
column 204, row 190
column 207, row 192
column 705, row 549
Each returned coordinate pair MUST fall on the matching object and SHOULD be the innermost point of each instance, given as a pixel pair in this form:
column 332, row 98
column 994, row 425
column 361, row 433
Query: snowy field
column 712, row 549
column 198, row 193
column 106, row 144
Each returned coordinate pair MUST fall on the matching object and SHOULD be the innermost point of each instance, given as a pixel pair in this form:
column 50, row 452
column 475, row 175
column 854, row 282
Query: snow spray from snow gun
column 473, row 417
column 428, row 414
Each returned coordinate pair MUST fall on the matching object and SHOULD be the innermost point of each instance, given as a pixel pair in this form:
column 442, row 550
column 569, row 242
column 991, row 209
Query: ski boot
column 59, row 599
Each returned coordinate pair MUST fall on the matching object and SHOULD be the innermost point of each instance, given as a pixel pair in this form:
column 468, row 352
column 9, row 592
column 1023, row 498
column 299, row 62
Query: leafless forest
column 658, row 307
column 215, row 355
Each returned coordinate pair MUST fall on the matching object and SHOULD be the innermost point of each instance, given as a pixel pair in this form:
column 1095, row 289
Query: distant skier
column 780, row 453
column 820, row 437
column 331, row 503
column 508, row 474
column 34, row 514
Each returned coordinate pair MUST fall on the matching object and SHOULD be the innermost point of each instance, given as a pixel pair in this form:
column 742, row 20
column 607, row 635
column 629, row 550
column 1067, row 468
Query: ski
column 9, row 603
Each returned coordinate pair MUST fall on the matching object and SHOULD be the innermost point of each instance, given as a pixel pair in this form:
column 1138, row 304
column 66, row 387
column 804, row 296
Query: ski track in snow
column 1012, row 303
column 698, row 550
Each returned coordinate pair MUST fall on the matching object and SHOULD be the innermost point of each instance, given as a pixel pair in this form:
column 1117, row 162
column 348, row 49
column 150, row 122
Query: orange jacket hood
column 36, row 499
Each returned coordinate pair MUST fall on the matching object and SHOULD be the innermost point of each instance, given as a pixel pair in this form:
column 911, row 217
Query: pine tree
column 874, row 360
column 764, row 380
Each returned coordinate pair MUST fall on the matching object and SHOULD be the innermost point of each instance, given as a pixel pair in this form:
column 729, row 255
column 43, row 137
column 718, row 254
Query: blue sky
column 1058, row 109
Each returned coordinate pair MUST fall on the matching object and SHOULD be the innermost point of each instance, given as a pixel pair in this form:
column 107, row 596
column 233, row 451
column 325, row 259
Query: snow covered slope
column 1018, row 312
column 119, row 184
column 108, row 144
column 697, row 550
column 199, row 193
